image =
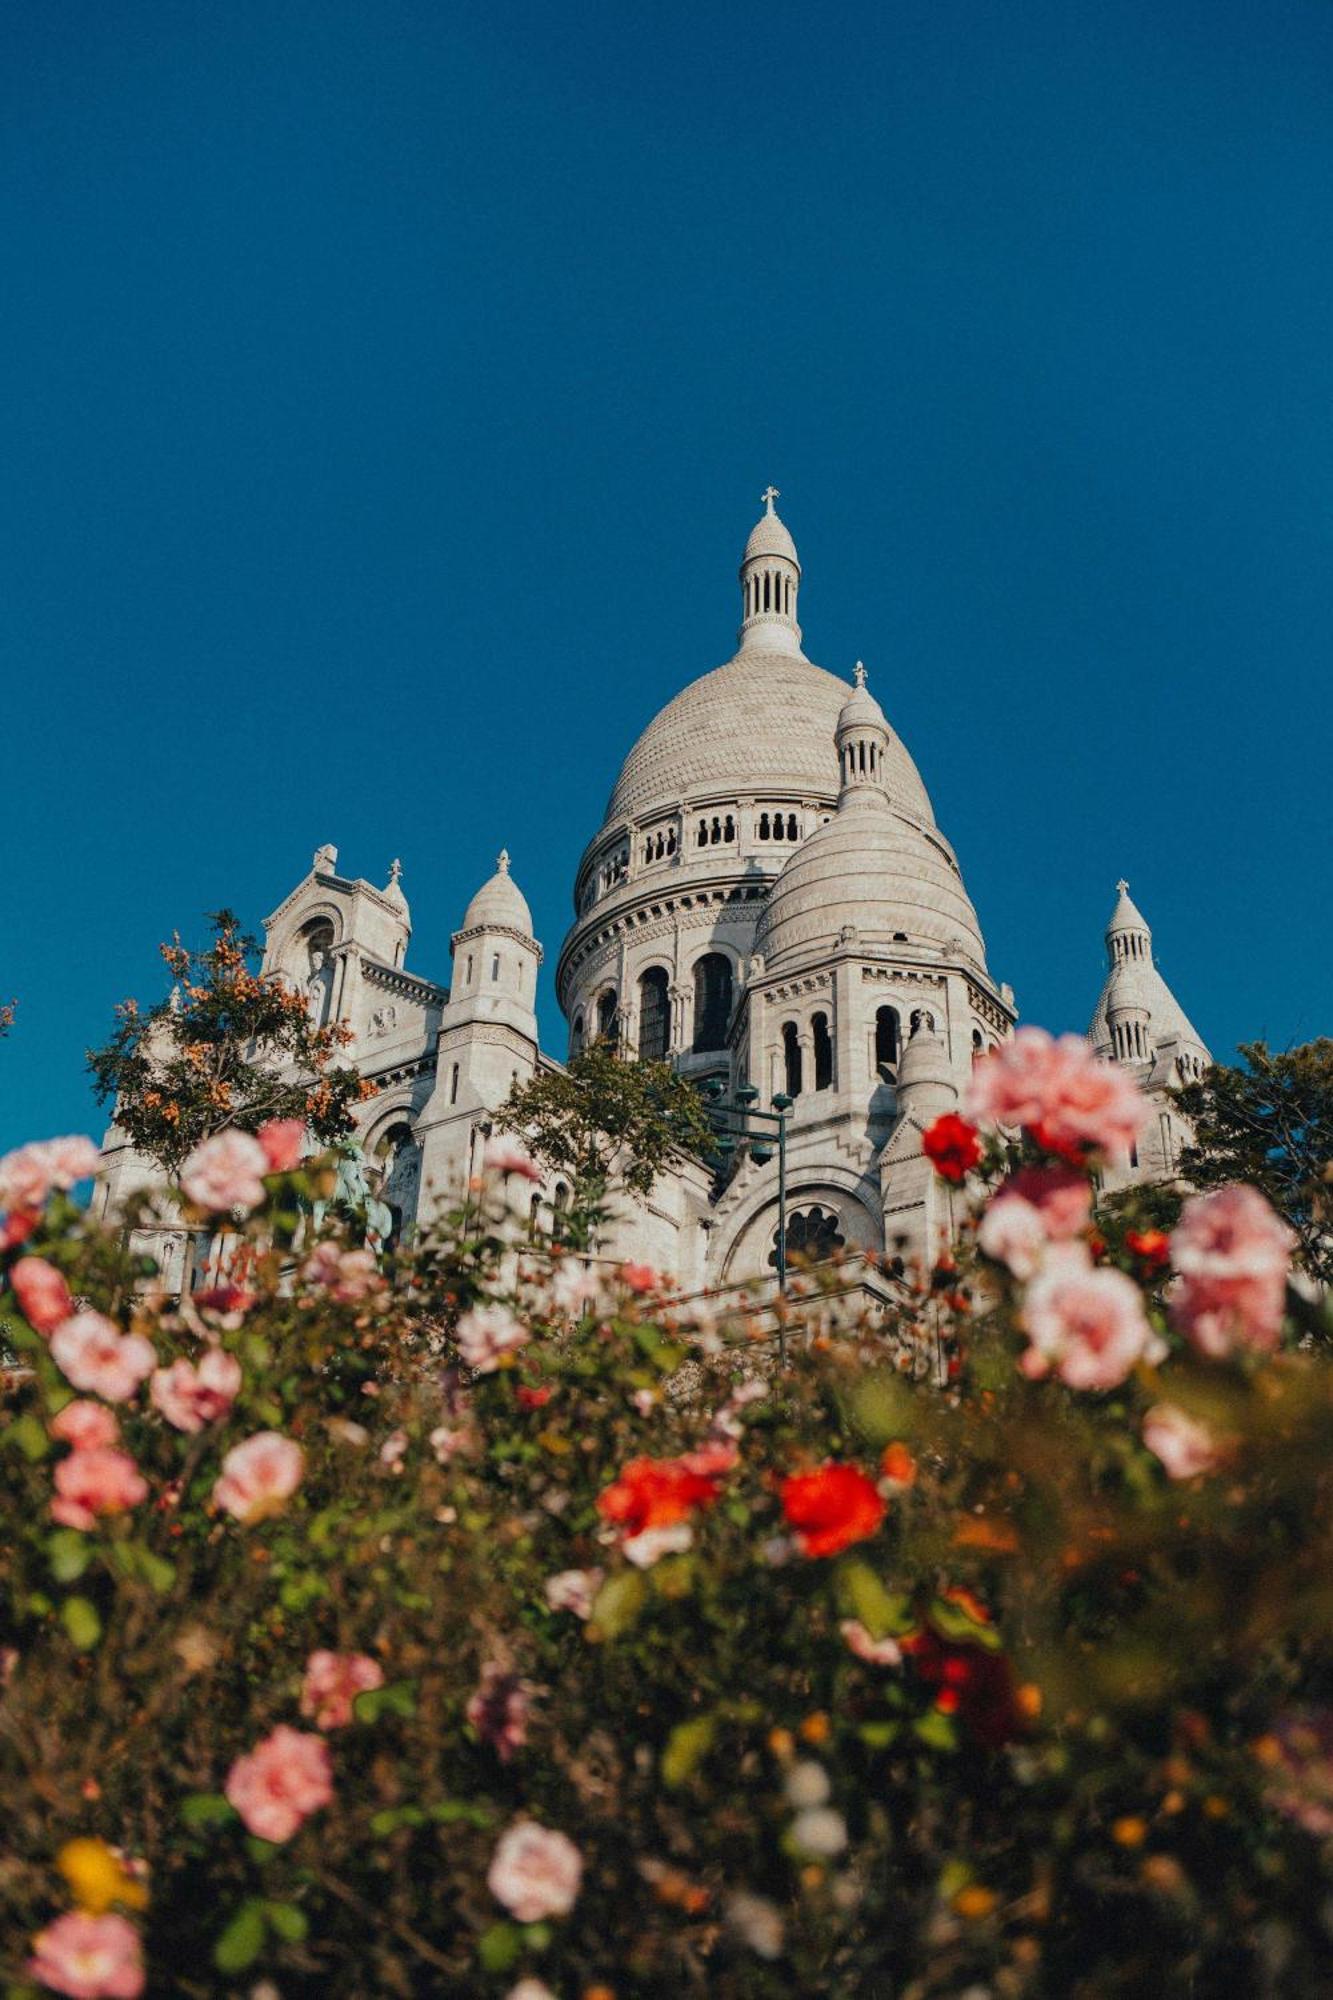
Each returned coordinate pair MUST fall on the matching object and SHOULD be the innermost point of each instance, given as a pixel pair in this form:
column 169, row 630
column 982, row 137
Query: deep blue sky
column 387, row 390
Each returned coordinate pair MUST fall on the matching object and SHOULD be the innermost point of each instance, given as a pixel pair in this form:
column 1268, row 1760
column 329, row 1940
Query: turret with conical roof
column 1138, row 1020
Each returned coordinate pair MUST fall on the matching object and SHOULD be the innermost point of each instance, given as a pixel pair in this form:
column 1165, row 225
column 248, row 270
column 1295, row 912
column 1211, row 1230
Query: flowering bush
column 481, row 1624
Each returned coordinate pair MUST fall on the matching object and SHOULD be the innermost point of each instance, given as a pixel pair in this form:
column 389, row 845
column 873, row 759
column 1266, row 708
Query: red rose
column 953, row 1145
column 1151, row 1246
column 534, row 1399
column 831, row 1508
column 655, row 1493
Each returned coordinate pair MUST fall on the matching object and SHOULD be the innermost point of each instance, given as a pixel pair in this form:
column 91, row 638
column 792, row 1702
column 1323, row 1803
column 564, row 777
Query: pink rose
column 1088, row 1324
column 226, row 1173
column 192, row 1397
column 332, row 1683
column 1012, row 1233
column 1185, row 1446
column 875, row 1652
column 506, row 1156
column 69, row 1161
column 486, row 1333
column 28, row 1175
column 1232, row 1252
column 85, row 1426
column 43, row 1296
column 95, row 1481
column 535, row 1872
column 349, row 1276
column 88, row 1958
column 283, row 1140
column 642, row 1278
column 573, row 1590
column 1060, row 1092
column 575, row 1287
column 93, row 1354
column 259, row 1476
column 1062, row 1196
column 499, row 1710
column 281, row 1782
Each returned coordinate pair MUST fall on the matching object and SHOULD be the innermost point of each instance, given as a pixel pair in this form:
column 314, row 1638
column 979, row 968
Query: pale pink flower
column 1088, row 1324
column 349, row 1276
column 332, row 1683
column 284, row 1779
column 1059, row 1091
column 97, row 1480
column 1012, row 1233
column 535, row 1872
column 1232, row 1252
column 651, row 1544
column 283, row 1140
column 486, row 1333
column 68, row 1161
column 575, row 1288
column 451, row 1441
column 226, row 1172
column 191, row 1397
column 88, row 1958
column 93, row 1354
column 499, row 1710
column 43, row 1296
column 1061, row 1195
column 875, row 1652
column 642, row 1278
column 394, row 1449
column 28, row 1174
column 85, row 1426
column 259, row 1476
column 507, row 1156
column 1185, row 1446
column 573, row 1590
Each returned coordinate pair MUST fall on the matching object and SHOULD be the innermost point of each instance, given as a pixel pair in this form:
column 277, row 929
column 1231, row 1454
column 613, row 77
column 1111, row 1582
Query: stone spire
column 862, row 737
column 770, row 582
column 1138, row 1018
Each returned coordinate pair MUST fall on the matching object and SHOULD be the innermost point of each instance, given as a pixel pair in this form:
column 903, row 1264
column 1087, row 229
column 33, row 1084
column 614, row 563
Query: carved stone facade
column 769, row 903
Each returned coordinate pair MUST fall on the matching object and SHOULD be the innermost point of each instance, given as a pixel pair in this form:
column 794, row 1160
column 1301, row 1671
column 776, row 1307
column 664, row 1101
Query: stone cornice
column 409, row 984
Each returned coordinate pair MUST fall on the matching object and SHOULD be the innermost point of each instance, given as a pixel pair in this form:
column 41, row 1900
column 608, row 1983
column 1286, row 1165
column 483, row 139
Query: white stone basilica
column 768, row 902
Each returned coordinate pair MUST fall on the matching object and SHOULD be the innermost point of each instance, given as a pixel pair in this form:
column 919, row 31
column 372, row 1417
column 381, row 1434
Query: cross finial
column 503, row 862
column 1122, row 886
column 395, row 869
column 768, row 496
column 859, row 673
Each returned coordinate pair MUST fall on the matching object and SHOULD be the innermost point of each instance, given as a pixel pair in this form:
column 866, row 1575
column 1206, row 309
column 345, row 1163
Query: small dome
column 770, row 536
column 393, row 892
column 925, row 1061
column 861, row 710
column 499, row 905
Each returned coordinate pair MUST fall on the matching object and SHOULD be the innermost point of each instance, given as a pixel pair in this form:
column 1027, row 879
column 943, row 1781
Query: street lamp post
column 743, row 1123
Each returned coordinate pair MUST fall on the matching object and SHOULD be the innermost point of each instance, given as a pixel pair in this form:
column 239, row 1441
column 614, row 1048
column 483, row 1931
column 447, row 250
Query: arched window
column 792, row 831
column 606, row 1014
column 317, row 971
column 763, row 826
column 654, row 1016
column 495, row 966
column 712, row 1002
column 467, row 970
column 791, row 1056
column 400, row 1167
column 576, row 1039
column 887, row 1038
column 812, row 1234
column 453, row 1084
column 978, row 1045
column 823, row 1052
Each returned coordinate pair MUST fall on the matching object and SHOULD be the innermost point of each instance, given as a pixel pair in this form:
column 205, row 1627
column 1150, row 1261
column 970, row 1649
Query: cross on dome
column 769, row 495
column 1122, row 886
column 502, row 861
column 859, row 673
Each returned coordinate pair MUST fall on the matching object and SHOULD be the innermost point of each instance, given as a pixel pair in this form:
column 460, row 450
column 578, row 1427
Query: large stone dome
column 764, row 720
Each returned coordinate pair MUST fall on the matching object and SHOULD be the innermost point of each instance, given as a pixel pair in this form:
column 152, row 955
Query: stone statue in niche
column 319, row 978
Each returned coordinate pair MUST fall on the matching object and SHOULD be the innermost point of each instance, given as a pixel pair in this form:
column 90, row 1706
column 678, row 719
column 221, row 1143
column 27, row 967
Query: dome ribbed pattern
column 499, row 905
column 764, row 721
column 770, row 537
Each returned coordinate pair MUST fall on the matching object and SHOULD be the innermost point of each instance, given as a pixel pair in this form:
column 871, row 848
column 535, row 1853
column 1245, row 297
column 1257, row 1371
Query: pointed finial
column 1122, row 887
column 395, row 869
column 768, row 496
column 503, row 862
column 859, row 673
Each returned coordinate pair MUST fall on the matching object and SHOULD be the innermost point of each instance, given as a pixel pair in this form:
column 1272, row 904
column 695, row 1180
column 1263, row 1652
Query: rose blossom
column 42, row 1293
column 658, row 1493
column 93, row 1354
column 332, row 1683
column 97, row 1480
column 507, row 1156
column 535, row 1872
column 284, row 1779
column 642, row 1278
column 191, row 1397
column 652, row 1544
column 1012, row 1233
column 283, row 1140
column 952, row 1146
column 259, row 1476
column 1060, row 1092
column 573, row 1590
column 486, row 1333
column 28, row 1174
column 349, row 1276
column 84, row 1426
column 875, row 1652
column 575, row 1287
column 831, row 1507
column 1231, row 1250
column 1185, row 1446
column 88, row 1958
column 226, row 1172
column 1087, row 1323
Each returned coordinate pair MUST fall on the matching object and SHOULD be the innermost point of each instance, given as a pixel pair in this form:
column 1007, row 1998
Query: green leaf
column 879, row 1735
column 30, row 1437
column 134, row 1560
column 861, row 1595
column 686, row 1748
column 499, row 1947
column 80, row 1619
column 206, row 1809
column 291, row 1924
column 936, row 1731
column 398, row 1698
column 951, row 1621
column 618, row 1603
column 69, row 1553
column 242, row 1941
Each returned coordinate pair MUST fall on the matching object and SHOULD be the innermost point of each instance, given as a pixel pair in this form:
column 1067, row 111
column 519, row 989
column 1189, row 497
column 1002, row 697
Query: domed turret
column 770, row 583
column 926, row 1084
column 1138, row 1016
column 499, row 904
